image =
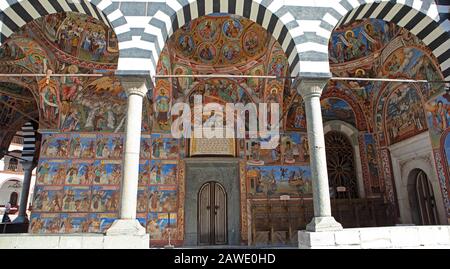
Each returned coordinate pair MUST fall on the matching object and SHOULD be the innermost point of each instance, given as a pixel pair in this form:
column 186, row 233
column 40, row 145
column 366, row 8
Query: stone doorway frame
column 199, row 171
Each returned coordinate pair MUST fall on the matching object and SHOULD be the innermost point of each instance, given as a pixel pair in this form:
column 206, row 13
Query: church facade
column 99, row 80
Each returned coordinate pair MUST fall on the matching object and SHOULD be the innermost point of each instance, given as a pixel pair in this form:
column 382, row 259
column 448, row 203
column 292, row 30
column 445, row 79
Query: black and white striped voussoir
column 430, row 31
column 245, row 8
column 29, row 141
column 15, row 13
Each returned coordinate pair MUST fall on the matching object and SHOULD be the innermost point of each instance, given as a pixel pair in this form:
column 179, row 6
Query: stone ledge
column 73, row 241
column 378, row 237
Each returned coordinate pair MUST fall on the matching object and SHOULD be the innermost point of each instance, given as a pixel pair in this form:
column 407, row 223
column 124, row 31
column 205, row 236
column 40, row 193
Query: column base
column 323, row 224
column 21, row 219
column 126, row 234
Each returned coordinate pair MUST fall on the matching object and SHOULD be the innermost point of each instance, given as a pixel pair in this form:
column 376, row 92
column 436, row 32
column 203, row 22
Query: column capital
column 136, row 85
column 27, row 165
column 311, row 86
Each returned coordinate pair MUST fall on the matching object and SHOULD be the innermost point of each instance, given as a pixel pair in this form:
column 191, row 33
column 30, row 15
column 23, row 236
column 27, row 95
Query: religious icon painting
column 105, row 198
column 52, row 172
column 71, row 173
column 231, row 53
column 81, row 172
column 232, row 28
column 146, row 147
column 75, row 146
column 256, row 84
column 154, row 199
column 253, row 176
column 160, row 224
column 168, row 198
column 55, row 146
column 88, row 144
column 253, row 41
column 45, row 223
column 113, row 171
column 76, row 199
column 93, row 223
column 295, row 116
column 169, row 172
column 72, row 222
column 142, row 199
column 277, row 65
column 144, row 172
column 295, row 148
column 102, row 148
column 258, row 156
column 156, row 172
column 207, row 30
column 162, row 103
column 48, row 199
column 186, row 44
column 279, row 180
column 164, row 148
column 115, row 145
column 99, row 173
column 207, row 52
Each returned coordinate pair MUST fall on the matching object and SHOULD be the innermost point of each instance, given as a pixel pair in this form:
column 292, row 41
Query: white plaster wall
column 6, row 188
column 410, row 154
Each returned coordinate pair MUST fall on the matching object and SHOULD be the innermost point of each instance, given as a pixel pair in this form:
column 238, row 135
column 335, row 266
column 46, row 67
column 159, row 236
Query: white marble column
column 311, row 90
column 136, row 88
column 28, row 167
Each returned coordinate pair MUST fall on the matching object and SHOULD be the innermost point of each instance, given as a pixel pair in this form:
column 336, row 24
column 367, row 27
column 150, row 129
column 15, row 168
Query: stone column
column 28, row 167
column 311, row 89
column 136, row 88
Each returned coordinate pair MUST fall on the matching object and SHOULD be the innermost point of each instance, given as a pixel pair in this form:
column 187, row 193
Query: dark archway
column 341, row 166
column 421, row 199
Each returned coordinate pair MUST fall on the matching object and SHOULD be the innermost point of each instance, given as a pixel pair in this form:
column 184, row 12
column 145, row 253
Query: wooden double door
column 425, row 200
column 212, row 214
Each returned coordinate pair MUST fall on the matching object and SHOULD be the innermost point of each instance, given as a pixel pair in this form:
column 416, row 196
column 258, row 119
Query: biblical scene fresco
column 404, row 114
column 386, row 112
column 79, row 172
column 274, row 181
column 80, row 36
column 337, row 109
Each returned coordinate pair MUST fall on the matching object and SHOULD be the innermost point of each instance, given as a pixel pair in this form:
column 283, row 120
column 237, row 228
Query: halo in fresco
column 186, row 44
column 207, row 52
column 232, row 28
column 207, row 29
column 231, row 52
column 252, row 42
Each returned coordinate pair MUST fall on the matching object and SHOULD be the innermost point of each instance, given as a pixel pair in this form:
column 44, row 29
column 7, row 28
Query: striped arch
column 179, row 12
column 20, row 12
column 29, row 141
column 421, row 17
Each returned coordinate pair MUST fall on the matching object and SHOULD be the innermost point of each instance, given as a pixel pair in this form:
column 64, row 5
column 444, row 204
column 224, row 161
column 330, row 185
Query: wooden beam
column 26, row 115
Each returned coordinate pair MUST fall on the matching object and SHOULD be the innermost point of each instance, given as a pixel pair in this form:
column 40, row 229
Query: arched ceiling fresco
column 220, row 40
column 68, row 43
column 373, row 48
column 220, row 44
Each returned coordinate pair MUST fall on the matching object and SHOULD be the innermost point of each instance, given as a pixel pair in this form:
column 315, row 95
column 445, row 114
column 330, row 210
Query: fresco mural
column 393, row 112
column 279, row 180
column 404, row 114
column 360, row 39
column 80, row 36
column 337, row 109
column 79, row 171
